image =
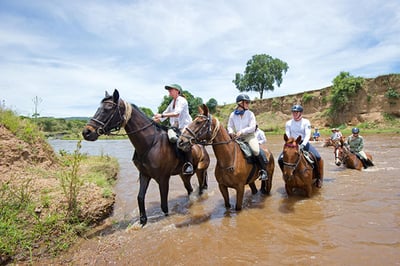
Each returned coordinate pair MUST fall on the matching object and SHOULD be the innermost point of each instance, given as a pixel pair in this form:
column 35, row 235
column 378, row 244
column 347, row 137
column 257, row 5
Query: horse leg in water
column 239, row 197
column 225, row 194
column 253, row 188
column 202, row 178
column 186, row 183
column 163, row 186
column 144, row 184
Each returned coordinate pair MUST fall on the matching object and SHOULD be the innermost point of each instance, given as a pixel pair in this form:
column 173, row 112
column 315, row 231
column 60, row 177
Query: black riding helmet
column 297, row 108
column 355, row 130
column 242, row 97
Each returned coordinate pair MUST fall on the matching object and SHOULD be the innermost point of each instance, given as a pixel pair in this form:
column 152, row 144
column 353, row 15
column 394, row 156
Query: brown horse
column 155, row 157
column 232, row 169
column 344, row 156
column 298, row 171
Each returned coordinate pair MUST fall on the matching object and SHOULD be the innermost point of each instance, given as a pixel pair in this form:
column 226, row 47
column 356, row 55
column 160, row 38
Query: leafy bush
column 344, row 88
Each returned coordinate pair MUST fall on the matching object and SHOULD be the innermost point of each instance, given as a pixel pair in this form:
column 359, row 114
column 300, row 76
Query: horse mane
column 157, row 125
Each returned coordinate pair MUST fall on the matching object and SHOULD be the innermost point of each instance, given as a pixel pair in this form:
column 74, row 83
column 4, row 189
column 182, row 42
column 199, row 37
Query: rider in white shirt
column 242, row 124
column 179, row 117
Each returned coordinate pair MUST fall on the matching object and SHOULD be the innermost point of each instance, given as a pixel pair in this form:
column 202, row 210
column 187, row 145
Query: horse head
column 199, row 131
column 109, row 116
column 291, row 155
column 338, row 152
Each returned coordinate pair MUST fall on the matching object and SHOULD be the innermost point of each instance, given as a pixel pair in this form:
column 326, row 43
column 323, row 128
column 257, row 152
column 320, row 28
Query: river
column 353, row 220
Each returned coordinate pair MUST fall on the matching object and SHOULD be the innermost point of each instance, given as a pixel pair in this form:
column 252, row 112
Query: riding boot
column 263, row 171
column 364, row 162
column 320, row 173
column 280, row 162
column 188, row 166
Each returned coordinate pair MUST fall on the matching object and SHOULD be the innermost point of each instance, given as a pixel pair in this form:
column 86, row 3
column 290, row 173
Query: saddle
column 248, row 154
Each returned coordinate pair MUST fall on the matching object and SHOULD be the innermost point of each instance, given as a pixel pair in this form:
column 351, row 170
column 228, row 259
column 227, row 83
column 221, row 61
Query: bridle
column 296, row 163
column 122, row 120
column 205, row 130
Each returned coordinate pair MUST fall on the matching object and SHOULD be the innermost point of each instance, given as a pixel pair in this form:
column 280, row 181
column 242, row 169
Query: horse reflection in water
column 232, row 169
column 155, row 157
column 344, row 156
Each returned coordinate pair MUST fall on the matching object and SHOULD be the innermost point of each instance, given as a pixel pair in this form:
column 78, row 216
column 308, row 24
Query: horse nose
column 89, row 134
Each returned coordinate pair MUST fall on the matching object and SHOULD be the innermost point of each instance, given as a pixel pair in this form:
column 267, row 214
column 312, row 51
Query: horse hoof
column 143, row 221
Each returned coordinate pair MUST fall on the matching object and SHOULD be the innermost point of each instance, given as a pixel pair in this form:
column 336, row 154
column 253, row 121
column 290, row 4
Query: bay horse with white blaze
column 232, row 169
column 298, row 172
column 155, row 156
column 344, row 156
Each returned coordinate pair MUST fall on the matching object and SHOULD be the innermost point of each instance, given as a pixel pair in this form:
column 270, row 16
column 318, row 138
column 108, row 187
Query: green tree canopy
column 261, row 72
column 212, row 105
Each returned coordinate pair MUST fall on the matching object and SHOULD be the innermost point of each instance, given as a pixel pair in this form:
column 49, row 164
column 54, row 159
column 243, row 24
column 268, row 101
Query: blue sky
column 68, row 53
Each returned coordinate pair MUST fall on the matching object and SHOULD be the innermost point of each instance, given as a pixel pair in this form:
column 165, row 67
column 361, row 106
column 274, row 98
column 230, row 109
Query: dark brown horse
column 155, row 157
column 232, row 169
column 297, row 171
column 344, row 156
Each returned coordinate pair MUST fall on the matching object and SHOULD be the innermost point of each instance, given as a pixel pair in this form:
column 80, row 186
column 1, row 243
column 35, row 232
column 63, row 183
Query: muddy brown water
column 354, row 219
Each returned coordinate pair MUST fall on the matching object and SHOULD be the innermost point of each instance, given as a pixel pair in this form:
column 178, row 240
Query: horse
column 155, row 156
column 344, row 156
column 232, row 169
column 298, row 172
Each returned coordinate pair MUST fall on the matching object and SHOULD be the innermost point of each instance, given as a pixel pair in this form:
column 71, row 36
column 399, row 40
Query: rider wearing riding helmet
column 242, row 124
column 299, row 126
column 178, row 114
column 356, row 145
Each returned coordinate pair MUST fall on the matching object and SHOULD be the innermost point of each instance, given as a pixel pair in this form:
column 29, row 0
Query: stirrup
column 187, row 168
column 263, row 175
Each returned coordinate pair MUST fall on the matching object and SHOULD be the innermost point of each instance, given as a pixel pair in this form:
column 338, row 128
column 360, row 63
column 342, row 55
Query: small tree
column 212, row 105
column 261, row 72
column 345, row 87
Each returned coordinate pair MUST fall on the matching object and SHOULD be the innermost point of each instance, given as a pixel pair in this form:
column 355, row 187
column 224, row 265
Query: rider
column 179, row 117
column 299, row 126
column 336, row 134
column 242, row 124
column 316, row 134
column 356, row 145
column 260, row 135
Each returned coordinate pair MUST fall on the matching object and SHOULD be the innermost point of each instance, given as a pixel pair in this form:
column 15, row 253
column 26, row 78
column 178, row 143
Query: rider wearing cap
column 299, row 126
column 242, row 124
column 356, row 145
column 179, row 117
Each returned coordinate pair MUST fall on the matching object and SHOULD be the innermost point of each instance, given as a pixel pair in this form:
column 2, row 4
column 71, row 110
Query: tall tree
column 261, row 72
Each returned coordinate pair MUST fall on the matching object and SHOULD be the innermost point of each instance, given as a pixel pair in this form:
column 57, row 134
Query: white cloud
column 68, row 53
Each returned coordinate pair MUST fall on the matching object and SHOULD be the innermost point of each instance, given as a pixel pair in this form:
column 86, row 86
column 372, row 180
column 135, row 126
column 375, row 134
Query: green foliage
column 147, row 111
column 275, row 103
column 392, row 94
column 344, row 88
column 212, row 105
column 71, row 183
column 22, row 229
column 261, row 72
column 61, row 127
column 307, row 97
column 24, row 129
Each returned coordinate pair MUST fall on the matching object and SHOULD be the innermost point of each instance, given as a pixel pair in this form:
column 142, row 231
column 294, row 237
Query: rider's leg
column 280, row 161
column 255, row 147
column 319, row 165
column 188, row 166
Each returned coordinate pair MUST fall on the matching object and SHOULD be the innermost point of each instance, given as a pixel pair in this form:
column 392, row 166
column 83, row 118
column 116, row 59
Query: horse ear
column 116, row 96
column 285, row 137
column 298, row 139
column 200, row 109
column 205, row 108
column 107, row 95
